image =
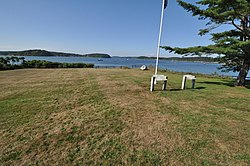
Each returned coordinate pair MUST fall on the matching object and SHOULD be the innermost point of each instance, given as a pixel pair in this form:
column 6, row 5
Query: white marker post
column 154, row 77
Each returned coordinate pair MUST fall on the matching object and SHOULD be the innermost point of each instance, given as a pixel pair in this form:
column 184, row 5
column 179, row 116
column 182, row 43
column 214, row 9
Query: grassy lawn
column 109, row 117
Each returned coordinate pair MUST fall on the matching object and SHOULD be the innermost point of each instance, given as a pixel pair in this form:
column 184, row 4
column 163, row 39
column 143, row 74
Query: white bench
column 188, row 77
column 156, row 78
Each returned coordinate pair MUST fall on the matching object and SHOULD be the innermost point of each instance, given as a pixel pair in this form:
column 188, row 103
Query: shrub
column 48, row 64
column 9, row 63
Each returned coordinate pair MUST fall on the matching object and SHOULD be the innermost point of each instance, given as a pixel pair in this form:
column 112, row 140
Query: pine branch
column 236, row 26
column 231, row 33
column 201, row 50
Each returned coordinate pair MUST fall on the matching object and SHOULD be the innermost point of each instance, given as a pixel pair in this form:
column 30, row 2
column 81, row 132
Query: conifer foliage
column 232, row 44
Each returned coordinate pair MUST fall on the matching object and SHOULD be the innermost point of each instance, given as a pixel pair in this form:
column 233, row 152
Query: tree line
column 191, row 59
column 50, row 53
column 10, row 63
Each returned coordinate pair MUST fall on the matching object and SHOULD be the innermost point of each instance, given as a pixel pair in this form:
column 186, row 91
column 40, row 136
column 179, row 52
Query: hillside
column 49, row 53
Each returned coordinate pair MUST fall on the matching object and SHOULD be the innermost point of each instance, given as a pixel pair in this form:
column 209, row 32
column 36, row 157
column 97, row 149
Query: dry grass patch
column 139, row 108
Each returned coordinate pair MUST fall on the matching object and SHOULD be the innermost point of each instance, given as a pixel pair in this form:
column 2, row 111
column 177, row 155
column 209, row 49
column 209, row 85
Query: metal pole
column 159, row 39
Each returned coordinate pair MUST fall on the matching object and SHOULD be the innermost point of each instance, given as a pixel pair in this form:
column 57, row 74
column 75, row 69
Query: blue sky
column 116, row 27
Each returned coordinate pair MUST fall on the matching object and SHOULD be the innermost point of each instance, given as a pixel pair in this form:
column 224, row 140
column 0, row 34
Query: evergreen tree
column 233, row 44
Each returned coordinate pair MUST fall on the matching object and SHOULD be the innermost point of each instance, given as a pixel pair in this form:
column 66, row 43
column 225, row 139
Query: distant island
column 49, row 53
column 190, row 59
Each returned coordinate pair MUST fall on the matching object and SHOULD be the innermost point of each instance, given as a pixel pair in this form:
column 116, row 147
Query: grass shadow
column 179, row 89
column 199, row 88
column 247, row 84
column 175, row 90
column 226, row 83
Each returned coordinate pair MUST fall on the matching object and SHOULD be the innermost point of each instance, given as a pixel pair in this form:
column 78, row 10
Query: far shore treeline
column 190, row 59
column 10, row 63
column 101, row 55
column 50, row 53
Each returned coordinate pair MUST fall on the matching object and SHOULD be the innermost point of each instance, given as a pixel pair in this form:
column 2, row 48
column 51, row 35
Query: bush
column 9, row 63
column 47, row 64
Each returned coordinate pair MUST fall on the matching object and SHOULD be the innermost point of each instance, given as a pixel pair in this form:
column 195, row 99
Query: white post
column 152, row 84
column 159, row 39
column 183, row 85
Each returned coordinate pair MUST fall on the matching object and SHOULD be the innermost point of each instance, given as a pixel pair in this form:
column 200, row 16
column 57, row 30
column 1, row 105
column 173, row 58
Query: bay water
column 179, row 66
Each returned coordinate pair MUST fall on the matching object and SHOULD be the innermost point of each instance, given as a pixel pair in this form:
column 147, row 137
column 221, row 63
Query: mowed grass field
column 109, row 117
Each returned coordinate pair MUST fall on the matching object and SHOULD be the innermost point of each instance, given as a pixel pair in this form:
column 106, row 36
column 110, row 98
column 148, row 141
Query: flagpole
column 159, row 38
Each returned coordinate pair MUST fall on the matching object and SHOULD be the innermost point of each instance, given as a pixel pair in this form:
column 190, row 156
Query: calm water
column 194, row 67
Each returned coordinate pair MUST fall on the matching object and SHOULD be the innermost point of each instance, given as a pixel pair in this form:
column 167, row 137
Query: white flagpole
column 159, row 39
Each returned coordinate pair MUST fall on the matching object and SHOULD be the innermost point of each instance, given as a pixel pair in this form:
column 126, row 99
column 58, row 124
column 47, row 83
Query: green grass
column 109, row 117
